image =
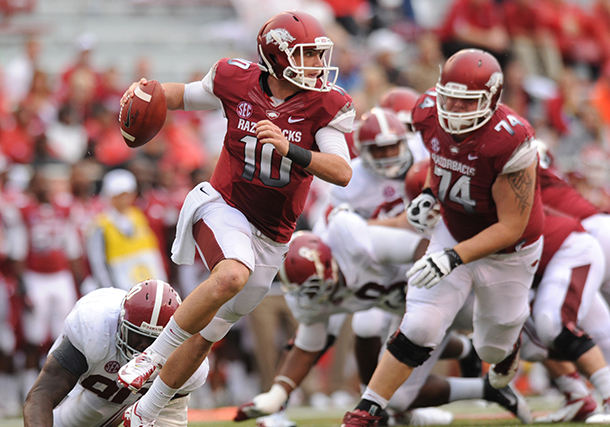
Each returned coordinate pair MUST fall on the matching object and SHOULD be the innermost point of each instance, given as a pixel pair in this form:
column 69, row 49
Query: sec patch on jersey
column 144, row 115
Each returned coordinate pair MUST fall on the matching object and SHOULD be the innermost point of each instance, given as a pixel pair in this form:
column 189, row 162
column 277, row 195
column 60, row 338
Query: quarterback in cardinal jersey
column 285, row 124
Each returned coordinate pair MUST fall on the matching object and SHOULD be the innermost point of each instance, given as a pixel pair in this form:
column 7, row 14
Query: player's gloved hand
column 263, row 404
column 423, row 211
column 431, row 268
column 341, row 207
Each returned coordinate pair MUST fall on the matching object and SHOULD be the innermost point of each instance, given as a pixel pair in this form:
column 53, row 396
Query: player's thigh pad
column 570, row 283
column 430, row 312
column 599, row 227
column 371, row 323
column 501, row 286
column 268, row 257
column 224, row 233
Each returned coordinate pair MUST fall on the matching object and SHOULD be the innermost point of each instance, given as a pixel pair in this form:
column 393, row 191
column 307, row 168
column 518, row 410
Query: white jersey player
column 351, row 267
column 387, row 151
column 78, row 384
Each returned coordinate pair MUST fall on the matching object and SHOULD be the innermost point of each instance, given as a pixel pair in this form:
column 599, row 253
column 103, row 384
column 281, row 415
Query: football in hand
column 143, row 116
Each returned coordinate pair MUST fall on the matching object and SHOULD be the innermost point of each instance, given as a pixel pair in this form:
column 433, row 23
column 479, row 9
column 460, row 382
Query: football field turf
column 467, row 413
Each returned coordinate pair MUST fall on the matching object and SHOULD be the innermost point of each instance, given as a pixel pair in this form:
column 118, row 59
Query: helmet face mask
column 309, row 273
column 379, row 130
column 475, row 77
column 283, row 45
column 145, row 310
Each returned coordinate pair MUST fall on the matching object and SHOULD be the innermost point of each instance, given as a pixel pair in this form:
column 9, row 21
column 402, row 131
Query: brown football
column 144, row 115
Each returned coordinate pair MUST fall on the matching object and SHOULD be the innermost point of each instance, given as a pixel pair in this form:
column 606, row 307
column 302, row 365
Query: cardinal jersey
column 561, row 196
column 52, row 238
column 557, row 228
column 368, row 283
column 268, row 188
column 463, row 173
column 97, row 400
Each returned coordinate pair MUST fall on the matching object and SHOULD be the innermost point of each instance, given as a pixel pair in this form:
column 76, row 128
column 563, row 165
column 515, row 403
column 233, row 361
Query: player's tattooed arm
column 52, row 385
column 523, row 184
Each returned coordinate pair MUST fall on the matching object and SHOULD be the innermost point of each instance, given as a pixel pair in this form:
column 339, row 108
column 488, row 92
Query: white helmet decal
column 496, row 80
column 278, row 35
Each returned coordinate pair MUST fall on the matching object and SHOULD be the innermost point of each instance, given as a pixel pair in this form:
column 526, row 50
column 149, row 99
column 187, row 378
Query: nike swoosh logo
column 203, row 191
column 471, row 157
column 295, row 119
column 129, row 120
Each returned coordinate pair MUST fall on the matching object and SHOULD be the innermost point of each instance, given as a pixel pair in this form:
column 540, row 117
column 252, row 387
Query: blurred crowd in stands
column 63, row 129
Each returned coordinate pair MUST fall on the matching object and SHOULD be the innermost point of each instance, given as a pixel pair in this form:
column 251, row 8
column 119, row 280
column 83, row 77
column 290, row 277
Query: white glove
column 433, row 267
column 423, row 211
column 341, row 207
column 272, row 401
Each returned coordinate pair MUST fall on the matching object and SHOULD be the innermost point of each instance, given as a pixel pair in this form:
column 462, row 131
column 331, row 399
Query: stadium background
column 175, row 40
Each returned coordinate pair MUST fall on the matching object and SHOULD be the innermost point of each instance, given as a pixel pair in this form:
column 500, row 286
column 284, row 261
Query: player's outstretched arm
column 53, row 384
column 294, row 368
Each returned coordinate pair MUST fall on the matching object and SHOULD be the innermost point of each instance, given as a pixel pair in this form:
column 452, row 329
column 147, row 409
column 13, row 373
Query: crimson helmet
column 401, row 100
column 145, row 311
column 416, row 178
column 382, row 128
column 309, row 271
column 288, row 34
column 469, row 74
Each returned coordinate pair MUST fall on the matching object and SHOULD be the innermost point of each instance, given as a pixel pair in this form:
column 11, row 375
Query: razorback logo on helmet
column 495, row 81
column 282, row 36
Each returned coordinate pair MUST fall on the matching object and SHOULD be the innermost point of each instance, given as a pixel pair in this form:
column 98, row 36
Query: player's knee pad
column 406, row 351
column 491, row 353
column 216, row 329
column 570, row 345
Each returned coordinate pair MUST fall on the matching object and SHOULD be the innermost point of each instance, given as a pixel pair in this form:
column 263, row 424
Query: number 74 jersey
column 463, row 173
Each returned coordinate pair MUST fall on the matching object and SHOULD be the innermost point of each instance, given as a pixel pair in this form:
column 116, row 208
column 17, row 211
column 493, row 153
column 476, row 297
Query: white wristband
column 285, row 379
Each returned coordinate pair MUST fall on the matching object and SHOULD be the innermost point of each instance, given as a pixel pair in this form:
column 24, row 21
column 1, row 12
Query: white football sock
column 465, row 388
column 170, row 339
column 155, row 399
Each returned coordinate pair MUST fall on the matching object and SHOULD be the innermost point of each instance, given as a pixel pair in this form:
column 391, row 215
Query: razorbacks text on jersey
column 463, row 173
column 97, row 400
column 266, row 187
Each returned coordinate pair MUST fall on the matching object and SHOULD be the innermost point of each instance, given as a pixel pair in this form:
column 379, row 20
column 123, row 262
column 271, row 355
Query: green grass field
column 473, row 413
